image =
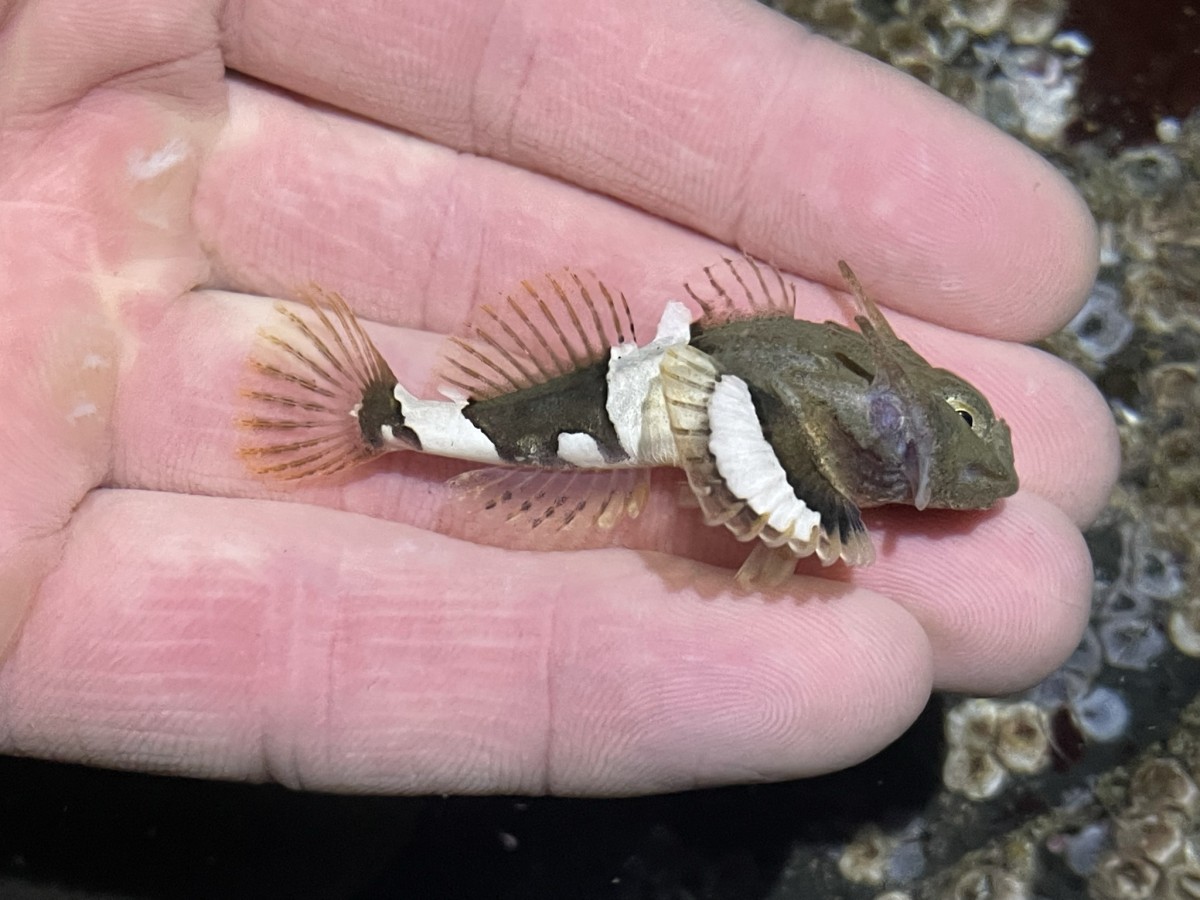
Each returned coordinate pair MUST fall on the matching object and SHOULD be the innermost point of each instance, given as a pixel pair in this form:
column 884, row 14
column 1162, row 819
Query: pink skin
column 166, row 611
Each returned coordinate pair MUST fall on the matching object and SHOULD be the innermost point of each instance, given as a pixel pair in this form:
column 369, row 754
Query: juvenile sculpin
column 785, row 429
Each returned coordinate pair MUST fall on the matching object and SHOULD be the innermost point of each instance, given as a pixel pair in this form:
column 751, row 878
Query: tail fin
column 312, row 385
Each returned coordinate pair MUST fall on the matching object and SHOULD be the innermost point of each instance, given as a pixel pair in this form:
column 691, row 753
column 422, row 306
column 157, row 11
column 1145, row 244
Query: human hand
column 178, row 617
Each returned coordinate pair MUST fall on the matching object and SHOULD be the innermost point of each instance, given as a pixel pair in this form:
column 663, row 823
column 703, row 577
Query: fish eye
column 965, row 411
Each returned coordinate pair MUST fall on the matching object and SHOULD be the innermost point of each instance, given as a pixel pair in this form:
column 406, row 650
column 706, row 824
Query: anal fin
column 557, row 507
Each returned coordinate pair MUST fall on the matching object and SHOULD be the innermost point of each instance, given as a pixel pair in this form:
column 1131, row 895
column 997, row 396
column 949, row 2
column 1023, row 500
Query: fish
column 785, row 429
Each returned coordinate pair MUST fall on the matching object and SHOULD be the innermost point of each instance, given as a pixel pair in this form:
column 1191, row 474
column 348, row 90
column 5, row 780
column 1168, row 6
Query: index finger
column 722, row 116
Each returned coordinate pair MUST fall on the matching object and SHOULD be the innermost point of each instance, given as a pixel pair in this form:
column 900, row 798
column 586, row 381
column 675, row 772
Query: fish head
column 914, row 434
column 971, row 464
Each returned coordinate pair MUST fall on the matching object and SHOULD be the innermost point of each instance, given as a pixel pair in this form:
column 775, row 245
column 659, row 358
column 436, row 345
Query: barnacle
column 1183, row 878
column 973, row 772
column 1036, row 96
column 1164, row 784
column 1102, row 327
column 1157, row 837
column 990, row 883
column 972, row 724
column 1035, row 21
column 1132, row 642
column 1184, row 627
column 1101, row 715
column 1123, row 878
column 1084, row 849
column 864, row 859
column 983, row 17
column 1022, row 741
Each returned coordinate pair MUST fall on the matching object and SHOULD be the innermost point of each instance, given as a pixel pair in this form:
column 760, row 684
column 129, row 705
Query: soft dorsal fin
column 742, row 289
column 548, row 327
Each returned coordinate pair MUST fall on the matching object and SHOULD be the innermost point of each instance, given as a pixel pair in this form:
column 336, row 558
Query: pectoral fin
column 740, row 480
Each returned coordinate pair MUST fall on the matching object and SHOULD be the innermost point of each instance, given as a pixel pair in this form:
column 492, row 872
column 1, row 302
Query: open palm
column 170, row 612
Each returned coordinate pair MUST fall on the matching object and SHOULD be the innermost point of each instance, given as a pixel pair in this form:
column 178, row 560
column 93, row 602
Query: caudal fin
column 308, row 378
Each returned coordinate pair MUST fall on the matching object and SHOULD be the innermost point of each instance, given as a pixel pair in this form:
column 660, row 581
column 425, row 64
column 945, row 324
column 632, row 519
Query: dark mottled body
column 811, row 382
column 525, row 425
column 785, row 429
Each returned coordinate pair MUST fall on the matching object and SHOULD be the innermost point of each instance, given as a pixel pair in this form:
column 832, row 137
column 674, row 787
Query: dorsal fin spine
column 593, row 352
column 528, row 376
column 525, row 341
column 758, row 298
column 612, row 306
column 471, row 373
column 750, row 297
column 574, row 316
column 870, row 311
column 536, row 332
column 572, row 361
column 705, row 306
column 516, row 382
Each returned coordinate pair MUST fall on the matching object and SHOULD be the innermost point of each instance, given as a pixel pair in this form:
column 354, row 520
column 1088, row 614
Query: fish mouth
column 989, row 482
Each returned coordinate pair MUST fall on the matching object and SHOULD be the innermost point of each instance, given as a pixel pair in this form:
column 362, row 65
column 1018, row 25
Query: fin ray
column 759, row 297
column 690, row 380
column 547, row 328
column 562, row 502
column 306, row 380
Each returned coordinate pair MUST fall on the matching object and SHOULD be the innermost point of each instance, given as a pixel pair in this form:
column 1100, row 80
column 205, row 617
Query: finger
column 780, row 142
column 68, row 49
column 1003, row 595
column 241, row 639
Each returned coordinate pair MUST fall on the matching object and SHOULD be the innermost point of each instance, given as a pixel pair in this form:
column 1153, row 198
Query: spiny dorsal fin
column 892, row 388
column 548, row 327
column 742, row 289
column 558, row 505
column 869, row 318
column 307, row 378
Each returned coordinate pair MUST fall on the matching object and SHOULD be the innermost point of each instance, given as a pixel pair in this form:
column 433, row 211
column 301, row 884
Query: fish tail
column 317, row 397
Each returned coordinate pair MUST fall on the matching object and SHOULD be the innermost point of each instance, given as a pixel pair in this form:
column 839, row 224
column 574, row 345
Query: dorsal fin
column 892, row 389
column 869, row 319
column 548, row 327
column 741, row 289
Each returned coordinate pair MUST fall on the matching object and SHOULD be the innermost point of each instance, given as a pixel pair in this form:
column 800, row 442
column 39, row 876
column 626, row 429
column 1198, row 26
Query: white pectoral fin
column 738, row 480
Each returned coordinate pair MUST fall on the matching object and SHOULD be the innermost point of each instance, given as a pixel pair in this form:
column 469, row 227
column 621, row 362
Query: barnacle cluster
column 1154, row 852
column 1004, row 59
column 989, row 741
